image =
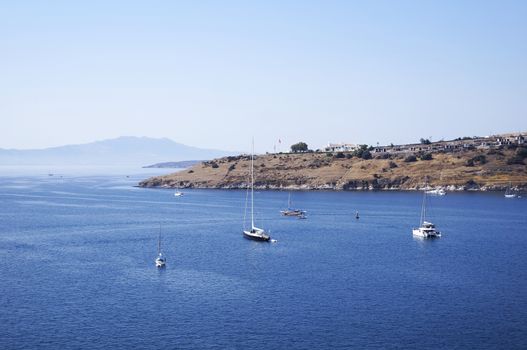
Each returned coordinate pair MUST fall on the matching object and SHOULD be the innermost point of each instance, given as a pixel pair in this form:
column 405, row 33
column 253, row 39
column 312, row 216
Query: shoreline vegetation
column 467, row 168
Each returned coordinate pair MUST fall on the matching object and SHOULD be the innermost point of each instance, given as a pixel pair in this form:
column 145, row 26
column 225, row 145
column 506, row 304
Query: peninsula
column 483, row 164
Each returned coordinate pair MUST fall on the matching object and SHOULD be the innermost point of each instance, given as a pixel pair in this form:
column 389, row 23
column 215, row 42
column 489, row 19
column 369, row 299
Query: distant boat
column 302, row 216
column 160, row 260
column 509, row 193
column 357, row 215
column 255, row 233
column 437, row 192
column 426, row 228
column 178, row 194
column 290, row 211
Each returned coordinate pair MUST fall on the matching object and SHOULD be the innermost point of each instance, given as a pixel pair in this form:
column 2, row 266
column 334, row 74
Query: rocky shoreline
column 364, row 187
column 471, row 170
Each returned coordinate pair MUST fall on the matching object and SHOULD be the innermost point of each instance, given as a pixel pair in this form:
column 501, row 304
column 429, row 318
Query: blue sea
column 77, row 269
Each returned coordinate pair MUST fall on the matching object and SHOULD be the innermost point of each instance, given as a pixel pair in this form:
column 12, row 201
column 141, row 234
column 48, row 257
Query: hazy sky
column 215, row 73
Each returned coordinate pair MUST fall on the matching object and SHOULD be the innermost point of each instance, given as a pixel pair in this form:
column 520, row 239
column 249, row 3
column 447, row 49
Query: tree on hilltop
column 425, row 141
column 299, row 147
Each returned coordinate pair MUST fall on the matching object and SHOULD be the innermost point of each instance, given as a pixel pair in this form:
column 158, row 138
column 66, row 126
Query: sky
column 214, row 74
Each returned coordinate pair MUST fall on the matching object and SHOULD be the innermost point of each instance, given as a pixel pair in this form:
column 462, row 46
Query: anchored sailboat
column 427, row 229
column 509, row 193
column 292, row 212
column 160, row 260
column 255, row 233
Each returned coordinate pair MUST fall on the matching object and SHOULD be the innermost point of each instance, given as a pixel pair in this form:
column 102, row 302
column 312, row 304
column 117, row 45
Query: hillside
column 129, row 150
column 490, row 169
column 180, row 165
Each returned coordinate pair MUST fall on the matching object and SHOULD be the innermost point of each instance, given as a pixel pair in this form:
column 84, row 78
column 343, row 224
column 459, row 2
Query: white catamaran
column 160, row 260
column 427, row 229
column 254, row 233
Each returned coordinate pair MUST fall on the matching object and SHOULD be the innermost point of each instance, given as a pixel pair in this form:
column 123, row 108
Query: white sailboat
column 509, row 193
column 427, row 229
column 160, row 260
column 255, row 233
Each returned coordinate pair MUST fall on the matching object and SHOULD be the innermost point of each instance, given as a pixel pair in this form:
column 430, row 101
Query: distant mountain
column 176, row 165
column 126, row 150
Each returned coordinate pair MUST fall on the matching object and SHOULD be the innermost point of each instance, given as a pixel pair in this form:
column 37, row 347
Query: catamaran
column 427, row 229
column 290, row 211
column 160, row 260
column 255, row 233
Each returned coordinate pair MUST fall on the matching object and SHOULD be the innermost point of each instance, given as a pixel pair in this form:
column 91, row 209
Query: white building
column 341, row 147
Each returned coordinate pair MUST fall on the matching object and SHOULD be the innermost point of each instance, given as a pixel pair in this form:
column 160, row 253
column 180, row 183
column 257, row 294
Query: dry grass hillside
column 466, row 170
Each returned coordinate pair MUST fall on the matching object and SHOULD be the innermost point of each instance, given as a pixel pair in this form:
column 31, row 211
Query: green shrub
column 366, row 155
column 426, row 156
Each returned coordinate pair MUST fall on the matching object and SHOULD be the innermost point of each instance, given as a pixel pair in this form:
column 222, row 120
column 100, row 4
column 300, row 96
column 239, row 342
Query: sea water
column 77, row 269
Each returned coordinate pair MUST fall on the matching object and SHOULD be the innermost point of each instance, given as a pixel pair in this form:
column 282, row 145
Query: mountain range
column 126, row 150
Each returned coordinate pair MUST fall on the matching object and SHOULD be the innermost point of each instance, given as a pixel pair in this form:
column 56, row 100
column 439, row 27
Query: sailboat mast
column 159, row 241
column 423, row 208
column 289, row 201
column 252, row 185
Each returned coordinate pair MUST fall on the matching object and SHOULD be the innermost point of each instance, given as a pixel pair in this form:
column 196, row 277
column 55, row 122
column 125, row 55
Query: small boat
column 178, row 194
column 426, row 229
column 160, row 260
column 290, row 211
column 255, row 233
column 509, row 193
column 437, row 192
column 357, row 215
column 302, row 216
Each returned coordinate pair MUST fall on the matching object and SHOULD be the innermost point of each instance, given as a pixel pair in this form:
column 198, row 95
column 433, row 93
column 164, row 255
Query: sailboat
column 427, row 229
column 290, row 211
column 255, row 233
column 509, row 193
column 160, row 260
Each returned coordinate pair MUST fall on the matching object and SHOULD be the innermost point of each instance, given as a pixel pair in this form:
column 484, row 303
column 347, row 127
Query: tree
column 299, row 147
column 366, row 155
column 425, row 141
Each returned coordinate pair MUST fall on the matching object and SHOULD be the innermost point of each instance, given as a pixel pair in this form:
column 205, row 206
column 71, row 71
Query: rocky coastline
column 471, row 170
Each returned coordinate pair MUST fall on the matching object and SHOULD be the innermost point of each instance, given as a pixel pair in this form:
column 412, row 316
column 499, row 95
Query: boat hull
column 292, row 212
column 256, row 236
column 425, row 234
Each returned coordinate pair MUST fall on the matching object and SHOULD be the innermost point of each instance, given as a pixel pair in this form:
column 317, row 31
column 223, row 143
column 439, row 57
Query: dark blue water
column 77, row 270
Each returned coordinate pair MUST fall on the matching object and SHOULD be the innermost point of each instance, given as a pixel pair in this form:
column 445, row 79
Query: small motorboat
column 178, row 194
